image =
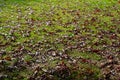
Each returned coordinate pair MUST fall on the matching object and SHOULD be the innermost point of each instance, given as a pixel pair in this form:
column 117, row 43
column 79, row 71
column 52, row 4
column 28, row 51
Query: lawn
column 59, row 39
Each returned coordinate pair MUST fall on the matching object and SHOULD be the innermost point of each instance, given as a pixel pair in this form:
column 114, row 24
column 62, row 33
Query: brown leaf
column 8, row 58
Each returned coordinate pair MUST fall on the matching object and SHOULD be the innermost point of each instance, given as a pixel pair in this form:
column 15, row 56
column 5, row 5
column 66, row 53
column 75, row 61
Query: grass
column 92, row 56
column 25, row 23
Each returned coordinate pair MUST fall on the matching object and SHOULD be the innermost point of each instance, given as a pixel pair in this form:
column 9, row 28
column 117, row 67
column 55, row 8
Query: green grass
column 86, row 55
column 48, row 20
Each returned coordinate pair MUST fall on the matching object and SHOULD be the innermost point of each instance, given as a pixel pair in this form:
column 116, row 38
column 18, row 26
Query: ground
column 59, row 39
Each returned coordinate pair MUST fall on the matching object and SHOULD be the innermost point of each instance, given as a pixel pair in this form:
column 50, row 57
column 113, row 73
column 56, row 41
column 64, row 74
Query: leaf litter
column 42, row 56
